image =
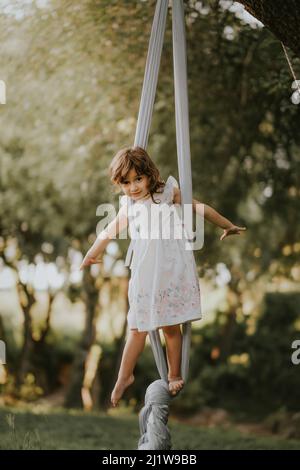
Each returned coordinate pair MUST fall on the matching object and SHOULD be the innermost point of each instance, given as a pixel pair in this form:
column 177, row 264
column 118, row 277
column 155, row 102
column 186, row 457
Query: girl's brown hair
column 137, row 158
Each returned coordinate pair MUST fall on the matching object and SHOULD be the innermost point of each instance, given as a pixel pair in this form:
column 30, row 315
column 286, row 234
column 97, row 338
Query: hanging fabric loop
column 182, row 134
column 153, row 417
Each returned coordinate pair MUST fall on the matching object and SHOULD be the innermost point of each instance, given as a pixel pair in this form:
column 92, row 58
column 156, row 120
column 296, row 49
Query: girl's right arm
column 116, row 226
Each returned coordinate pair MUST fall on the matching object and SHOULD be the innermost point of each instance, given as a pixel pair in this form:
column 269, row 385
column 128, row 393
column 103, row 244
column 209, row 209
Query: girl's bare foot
column 175, row 384
column 120, row 388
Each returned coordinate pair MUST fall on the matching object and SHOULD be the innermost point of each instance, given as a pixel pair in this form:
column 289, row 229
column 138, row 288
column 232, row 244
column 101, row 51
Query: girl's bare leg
column 173, row 339
column 135, row 344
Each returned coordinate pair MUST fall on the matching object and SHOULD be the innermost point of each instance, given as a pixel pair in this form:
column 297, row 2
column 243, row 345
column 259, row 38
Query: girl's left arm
column 210, row 214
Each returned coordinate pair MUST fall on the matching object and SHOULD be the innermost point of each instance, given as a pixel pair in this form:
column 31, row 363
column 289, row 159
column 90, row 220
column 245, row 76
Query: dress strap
column 171, row 183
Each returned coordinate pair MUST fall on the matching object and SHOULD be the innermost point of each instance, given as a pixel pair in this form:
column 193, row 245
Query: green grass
column 61, row 429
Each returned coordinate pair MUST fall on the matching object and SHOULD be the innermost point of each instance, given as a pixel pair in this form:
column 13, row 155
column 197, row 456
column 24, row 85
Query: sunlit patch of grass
column 74, row 429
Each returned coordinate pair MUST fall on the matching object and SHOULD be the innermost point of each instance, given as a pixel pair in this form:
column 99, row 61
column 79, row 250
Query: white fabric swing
column 153, row 417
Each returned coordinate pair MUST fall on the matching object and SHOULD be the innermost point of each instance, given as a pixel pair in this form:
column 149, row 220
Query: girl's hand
column 233, row 230
column 89, row 259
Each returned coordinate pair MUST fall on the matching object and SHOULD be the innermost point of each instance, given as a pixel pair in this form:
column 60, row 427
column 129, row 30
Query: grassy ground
column 61, row 429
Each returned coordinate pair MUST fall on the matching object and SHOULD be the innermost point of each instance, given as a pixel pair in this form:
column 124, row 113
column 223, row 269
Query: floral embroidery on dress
column 173, row 302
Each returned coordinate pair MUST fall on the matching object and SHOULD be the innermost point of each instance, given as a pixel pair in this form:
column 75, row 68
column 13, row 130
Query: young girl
column 163, row 290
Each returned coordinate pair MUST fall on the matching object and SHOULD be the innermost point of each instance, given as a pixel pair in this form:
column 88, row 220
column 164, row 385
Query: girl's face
column 135, row 186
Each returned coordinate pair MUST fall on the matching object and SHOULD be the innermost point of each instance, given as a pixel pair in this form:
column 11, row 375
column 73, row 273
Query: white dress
column 164, row 286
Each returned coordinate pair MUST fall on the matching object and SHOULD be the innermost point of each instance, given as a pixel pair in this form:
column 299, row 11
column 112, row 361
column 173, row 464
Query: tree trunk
column 24, row 363
column 74, row 394
column 119, row 347
column 44, row 378
column 281, row 17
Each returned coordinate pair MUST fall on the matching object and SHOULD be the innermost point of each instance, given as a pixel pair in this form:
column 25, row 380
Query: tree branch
column 281, row 17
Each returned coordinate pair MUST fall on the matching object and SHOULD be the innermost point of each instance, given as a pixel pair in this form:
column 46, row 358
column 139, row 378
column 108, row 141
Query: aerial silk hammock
column 154, row 415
